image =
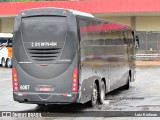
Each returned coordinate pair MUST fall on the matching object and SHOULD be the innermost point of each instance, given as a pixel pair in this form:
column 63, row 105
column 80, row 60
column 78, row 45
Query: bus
column 63, row 56
column 5, row 49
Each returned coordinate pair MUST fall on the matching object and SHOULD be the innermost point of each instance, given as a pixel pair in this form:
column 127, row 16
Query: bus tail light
column 75, row 80
column 15, row 80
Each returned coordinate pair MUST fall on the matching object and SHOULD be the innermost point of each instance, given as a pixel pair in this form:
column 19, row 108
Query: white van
column 5, row 49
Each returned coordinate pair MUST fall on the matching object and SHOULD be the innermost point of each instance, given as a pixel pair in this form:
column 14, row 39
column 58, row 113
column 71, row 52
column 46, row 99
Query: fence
column 149, row 46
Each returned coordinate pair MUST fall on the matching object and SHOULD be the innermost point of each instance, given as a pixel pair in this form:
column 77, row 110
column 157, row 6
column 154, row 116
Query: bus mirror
column 137, row 41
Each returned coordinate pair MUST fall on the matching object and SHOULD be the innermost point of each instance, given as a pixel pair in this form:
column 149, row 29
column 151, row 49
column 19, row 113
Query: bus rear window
column 44, row 28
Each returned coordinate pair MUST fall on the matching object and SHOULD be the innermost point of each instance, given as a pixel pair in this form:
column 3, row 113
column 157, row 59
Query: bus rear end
column 45, row 65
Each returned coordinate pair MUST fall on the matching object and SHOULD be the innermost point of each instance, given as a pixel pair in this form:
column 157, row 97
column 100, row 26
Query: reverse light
column 75, row 80
column 15, row 80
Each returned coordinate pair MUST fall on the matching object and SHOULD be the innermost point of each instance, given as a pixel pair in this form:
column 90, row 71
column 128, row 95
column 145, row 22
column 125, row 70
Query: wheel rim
column 9, row 63
column 94, row 95
column 129, row 79
column 102, row 92
column 3, row 63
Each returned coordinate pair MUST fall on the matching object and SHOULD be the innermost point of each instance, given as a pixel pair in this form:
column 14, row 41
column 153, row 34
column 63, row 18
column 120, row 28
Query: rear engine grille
column 44, row 54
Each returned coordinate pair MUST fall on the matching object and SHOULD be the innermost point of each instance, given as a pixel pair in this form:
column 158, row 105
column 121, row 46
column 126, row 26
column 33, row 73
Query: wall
column 124, row 20
column 7, row 25
column 145, row 23
column 148, row 23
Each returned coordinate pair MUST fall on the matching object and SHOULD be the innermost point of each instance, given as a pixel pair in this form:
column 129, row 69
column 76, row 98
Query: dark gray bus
column 64, row 56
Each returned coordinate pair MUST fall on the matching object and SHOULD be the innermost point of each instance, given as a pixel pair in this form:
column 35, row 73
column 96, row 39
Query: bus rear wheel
column 8, row 63
column 94, row 96
column 3, row 63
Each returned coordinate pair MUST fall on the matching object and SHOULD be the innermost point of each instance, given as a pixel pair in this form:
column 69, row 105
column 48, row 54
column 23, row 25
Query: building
column 141, row 15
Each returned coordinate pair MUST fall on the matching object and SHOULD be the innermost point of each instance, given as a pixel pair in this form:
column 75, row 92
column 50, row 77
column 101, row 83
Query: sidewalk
column 148, row 63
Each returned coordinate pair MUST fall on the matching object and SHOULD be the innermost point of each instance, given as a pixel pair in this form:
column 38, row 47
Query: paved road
column 143, row 95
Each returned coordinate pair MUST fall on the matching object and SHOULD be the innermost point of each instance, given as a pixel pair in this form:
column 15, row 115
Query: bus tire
column 94, row 96
column 126, row 87
column 8, row 63
column 102, row 93
column 3, row 62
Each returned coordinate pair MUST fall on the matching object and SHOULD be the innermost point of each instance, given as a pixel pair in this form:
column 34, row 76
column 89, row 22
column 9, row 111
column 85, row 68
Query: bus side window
column 112, row 38
column 4, row 42
column 9, row 42
column 107, row 38
column 118, row 39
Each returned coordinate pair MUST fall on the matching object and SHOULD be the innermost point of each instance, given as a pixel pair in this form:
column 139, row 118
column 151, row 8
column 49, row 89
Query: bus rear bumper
column 45, row 98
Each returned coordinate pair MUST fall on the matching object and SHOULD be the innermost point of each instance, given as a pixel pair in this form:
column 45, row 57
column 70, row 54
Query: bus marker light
column 38, row 11
column 23, row 14
column 64, row 12
column 48, row 10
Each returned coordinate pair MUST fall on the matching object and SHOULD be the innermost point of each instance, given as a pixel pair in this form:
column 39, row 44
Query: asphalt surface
column 143, row 95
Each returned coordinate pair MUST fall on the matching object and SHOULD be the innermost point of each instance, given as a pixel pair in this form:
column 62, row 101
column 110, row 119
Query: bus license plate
column 46, row 89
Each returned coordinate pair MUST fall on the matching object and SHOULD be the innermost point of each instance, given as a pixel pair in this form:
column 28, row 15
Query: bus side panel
column 104, row 54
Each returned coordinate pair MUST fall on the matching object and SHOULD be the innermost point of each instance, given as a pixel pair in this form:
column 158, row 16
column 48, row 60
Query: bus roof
column 75, row 12
column 6, row 35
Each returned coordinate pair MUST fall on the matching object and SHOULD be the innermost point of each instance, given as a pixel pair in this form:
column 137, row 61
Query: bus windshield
column 6, row 42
